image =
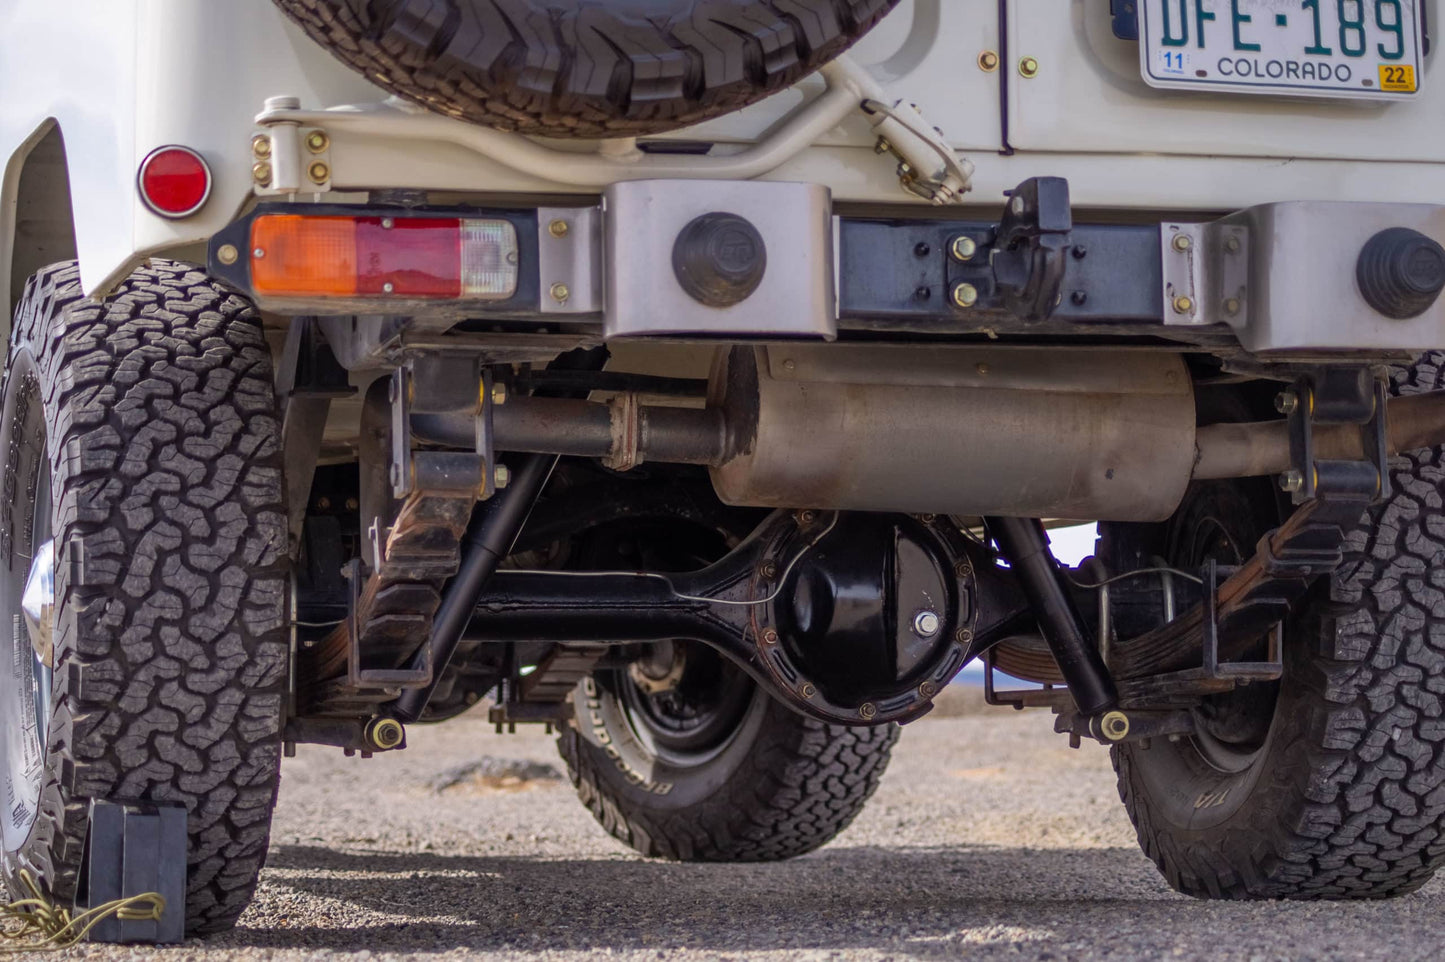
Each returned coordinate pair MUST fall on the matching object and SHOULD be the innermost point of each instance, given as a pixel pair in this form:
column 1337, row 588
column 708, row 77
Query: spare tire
column 585, row 68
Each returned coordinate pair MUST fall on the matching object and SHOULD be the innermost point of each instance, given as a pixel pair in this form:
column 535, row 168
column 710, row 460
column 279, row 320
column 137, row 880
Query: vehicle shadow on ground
column 914, row 902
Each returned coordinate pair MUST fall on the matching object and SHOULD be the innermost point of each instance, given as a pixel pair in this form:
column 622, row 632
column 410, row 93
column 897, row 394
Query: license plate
column 1359, row 49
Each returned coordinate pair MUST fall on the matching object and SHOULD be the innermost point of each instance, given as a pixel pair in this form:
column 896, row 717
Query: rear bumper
column 1275, row 279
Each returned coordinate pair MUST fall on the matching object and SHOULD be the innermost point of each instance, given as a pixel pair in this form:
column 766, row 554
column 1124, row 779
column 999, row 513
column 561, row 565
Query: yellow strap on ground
column 36, row 924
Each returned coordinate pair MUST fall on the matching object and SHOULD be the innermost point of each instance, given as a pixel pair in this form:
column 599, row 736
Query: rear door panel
column 1088, row 97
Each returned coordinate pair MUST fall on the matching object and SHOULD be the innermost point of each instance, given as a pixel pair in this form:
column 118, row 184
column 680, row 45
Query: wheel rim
column 27, row 600
column 1230, row 729
column 698, row 712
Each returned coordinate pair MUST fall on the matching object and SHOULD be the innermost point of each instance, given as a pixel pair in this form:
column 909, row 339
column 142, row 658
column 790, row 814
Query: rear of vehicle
column 698, row 379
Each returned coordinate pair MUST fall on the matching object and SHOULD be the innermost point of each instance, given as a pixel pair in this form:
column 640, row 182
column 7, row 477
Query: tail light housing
column 382, row 257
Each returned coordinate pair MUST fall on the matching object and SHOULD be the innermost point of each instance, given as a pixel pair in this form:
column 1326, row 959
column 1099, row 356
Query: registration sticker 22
column 1397, row 76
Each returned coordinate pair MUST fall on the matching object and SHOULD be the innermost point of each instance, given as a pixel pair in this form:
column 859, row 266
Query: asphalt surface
column 988, row 839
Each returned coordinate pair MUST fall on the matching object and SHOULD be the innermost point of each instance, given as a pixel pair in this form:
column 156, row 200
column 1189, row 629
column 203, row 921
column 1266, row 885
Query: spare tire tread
column 589, row 70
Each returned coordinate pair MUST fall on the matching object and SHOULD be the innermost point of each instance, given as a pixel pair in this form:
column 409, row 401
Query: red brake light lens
column 174, row 181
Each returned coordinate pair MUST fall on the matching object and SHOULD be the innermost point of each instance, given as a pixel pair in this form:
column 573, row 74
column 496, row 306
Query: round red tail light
column 174, row 181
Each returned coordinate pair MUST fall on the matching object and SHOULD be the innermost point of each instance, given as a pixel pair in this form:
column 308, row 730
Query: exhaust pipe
column 1105, row 435
column 1262, row 448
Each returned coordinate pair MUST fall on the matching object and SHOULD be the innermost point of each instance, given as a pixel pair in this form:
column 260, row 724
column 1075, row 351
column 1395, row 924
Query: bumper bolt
column 560, row 292
column 1286, row 402
column 502, row 476
column 558, row 228
column 1291, row 481
column 227, row 254
column 499, row 394
column 963, row 248
column 1181, row 243
column 1183, row 305
column 965, row 295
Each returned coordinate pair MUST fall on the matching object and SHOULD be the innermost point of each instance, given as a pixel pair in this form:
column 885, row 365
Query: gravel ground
column 989, row 838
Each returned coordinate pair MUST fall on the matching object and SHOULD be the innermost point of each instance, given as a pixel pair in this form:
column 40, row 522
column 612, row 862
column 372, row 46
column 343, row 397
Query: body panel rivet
column 558, row 228
column 1029, row 67
column 317, row 141
column 988, row 61
column 319, row 173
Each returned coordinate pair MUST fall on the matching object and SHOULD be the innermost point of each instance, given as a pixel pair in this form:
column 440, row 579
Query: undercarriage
column 588, row 385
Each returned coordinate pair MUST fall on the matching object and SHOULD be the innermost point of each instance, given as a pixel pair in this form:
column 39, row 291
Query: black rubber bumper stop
column 719, row 259
column 1400, row 272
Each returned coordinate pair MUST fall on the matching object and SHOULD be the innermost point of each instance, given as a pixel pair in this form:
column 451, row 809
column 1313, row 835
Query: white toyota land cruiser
column 696, row 377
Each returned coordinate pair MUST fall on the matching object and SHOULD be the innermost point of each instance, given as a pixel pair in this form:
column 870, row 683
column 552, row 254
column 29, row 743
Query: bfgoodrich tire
column 585, row 68
column 1330, row 784
column 140, row 435
column 713, row 769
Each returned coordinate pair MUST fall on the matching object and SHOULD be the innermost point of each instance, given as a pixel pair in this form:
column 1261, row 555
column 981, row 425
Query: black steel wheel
column 1323, row 785
column 714, row 772
column 143, row 544
column 681, row 755
column 585, row 68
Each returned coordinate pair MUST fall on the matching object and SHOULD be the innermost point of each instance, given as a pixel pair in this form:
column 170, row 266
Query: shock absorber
column 1024, row 544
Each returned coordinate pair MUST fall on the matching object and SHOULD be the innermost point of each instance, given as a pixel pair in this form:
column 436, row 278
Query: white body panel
column 121, row 77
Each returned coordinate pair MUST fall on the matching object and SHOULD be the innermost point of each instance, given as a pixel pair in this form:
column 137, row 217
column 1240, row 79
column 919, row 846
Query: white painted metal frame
column 923, row 150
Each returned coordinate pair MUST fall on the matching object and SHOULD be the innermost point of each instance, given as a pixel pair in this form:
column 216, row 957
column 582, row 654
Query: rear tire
column 585, row 68
column 1332, row 783
column 152, row 416
column 766, row 785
